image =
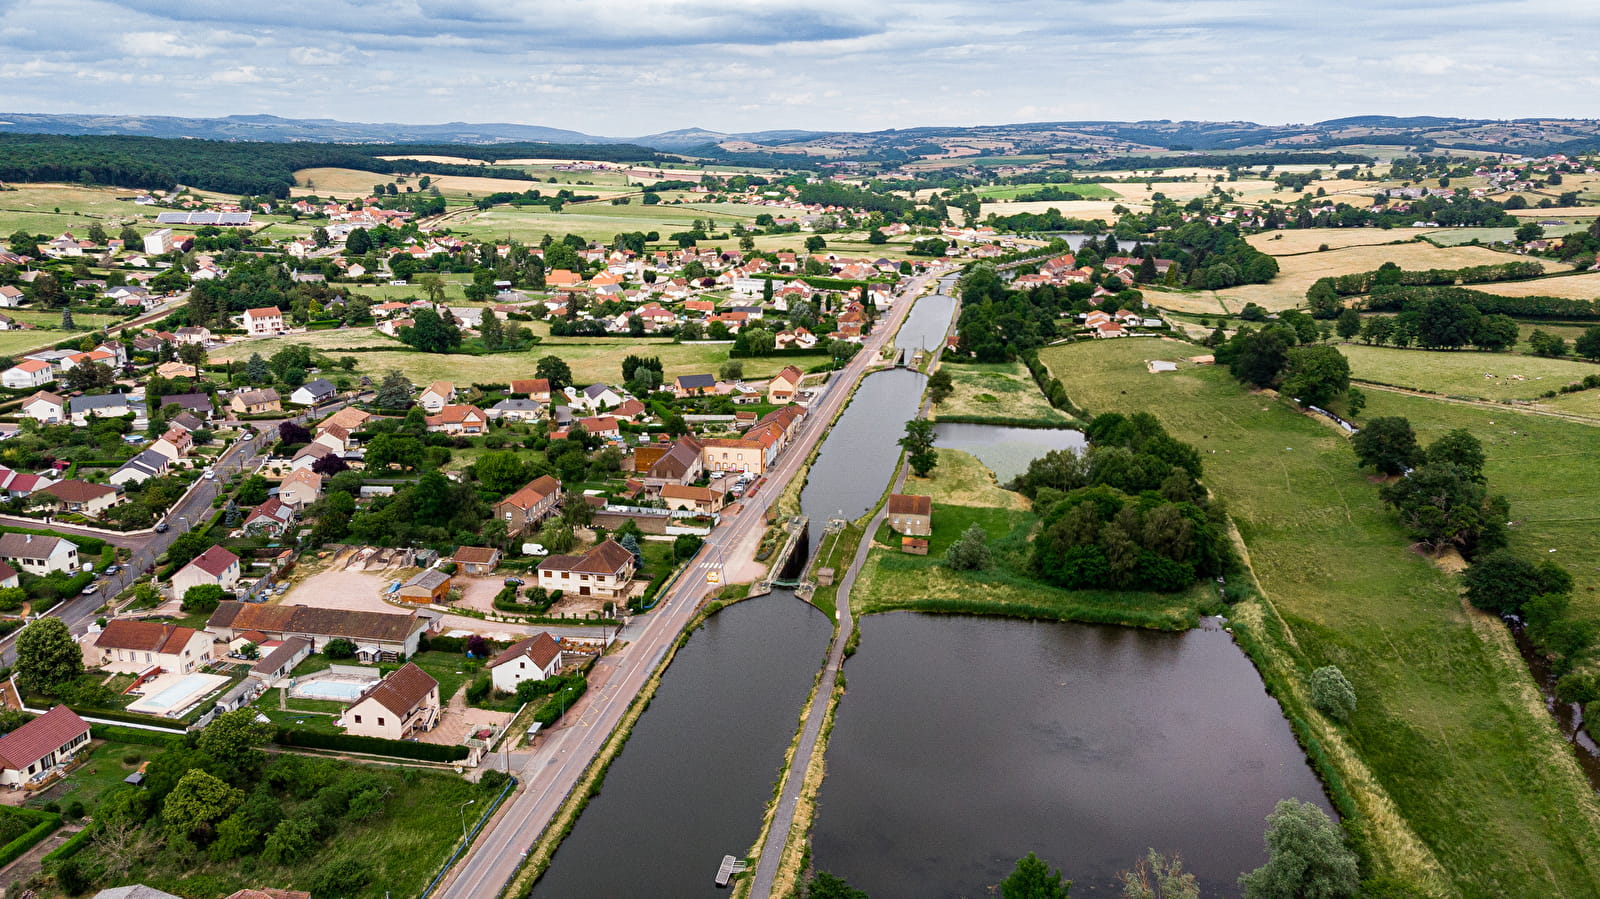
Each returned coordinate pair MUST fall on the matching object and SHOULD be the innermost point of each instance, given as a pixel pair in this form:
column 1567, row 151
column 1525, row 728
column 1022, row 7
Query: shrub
column 339, row 649
column 432, row 752
column 492, row 780
column 1332, row 694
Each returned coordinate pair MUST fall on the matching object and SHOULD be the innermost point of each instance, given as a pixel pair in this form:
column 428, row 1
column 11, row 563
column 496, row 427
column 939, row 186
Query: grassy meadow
column 32, row 208
column 1012, row 191
column 1296, row 274
column 1462, row 783
column 1583, row 286
column 999, row 390
column 1490, row 376
column 1294, row 241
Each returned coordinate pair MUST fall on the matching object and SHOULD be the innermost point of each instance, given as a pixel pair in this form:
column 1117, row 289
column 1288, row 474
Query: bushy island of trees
column 1126, row 514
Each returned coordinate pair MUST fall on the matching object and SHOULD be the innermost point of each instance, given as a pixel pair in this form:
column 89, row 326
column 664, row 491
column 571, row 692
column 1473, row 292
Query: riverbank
column 1450, row 779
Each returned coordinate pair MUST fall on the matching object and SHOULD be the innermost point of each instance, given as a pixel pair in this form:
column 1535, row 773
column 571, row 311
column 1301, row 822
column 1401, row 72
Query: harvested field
column 1293, row 241
column 1297, row 273
column 1583, row 286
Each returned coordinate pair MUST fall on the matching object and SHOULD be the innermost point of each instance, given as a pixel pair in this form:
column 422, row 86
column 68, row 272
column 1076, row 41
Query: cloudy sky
column 632, row 67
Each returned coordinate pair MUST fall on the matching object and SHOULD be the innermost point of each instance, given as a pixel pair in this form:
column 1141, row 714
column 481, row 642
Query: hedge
column 122, row 715
column 118, row 734
column 71, row 847
column 48, row 822
column 431, row 752
column 559, row 703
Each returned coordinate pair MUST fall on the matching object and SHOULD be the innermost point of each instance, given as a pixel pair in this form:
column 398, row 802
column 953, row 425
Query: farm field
column 1585, row 403
column 590, row 362
column 1293, row 241
column 1084, row 209
column 598, row 221
column 1297, row 273
column 1545, row 466
column 1585, row 213
column 1455, row 237
column 1249, row 190
column 85, row 322
column 1003, row 390
column 1192, row 302
column 1011, row 191
column 1465, row 373
column 1583, row 286
column 32, row 208
column 1466, row 787
column 15, row 342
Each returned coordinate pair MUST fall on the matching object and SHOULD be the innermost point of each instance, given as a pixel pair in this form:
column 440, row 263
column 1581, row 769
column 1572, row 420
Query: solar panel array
column 203, row 218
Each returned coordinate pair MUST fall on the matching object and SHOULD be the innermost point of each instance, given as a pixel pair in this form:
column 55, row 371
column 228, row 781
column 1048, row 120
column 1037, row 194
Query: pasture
column 1083, row 209
column 1455, row 237
column 1083, row 189
column 33, row 208
column 1296, row 274
column 1490, row 376
column 1579, row 286
column 1294, row 241
column 1464, row 782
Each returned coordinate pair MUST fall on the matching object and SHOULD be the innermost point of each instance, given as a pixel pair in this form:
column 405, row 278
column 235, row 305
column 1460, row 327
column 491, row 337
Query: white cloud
column 163, row 43
column 238, row 75
column 316, row 56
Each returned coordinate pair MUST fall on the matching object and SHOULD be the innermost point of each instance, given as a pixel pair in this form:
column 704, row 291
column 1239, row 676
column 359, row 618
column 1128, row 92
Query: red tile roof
column 144, row 636
column 541, row 648
column 215, row 561
column 401, row 691
column 40, row 737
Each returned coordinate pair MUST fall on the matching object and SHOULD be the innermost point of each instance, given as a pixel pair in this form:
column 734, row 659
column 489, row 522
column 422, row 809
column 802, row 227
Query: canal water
column 694, row 778
column 1007, row 451
column 693, row 781
column 963, row 744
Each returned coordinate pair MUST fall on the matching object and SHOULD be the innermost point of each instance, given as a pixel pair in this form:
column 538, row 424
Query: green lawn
column 101, row 771
column 1460, row 778
column 1464, row 373
column 83, row 323
column 1002, row 389
column 32, row 208
column 1011, row 191
column 14, row 343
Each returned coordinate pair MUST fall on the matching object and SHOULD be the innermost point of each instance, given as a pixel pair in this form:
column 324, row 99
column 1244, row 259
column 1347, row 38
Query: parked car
column 514, row 582
column 112, row 569
column 161, row 527
column 92, row 588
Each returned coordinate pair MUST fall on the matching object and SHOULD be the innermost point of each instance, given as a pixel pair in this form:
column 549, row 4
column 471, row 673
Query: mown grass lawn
column 1001, row 390
column 1490, row 376
column 1461, row 779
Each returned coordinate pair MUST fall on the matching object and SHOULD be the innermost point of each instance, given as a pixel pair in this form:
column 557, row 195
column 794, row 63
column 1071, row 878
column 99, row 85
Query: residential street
column 550, row 771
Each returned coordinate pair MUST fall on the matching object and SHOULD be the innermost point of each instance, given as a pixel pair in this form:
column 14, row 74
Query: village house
column 605, row 571
column 109, row 405
column 401, row 705
column 532, row 659
column 429, row 585
column 263, row 322
column 476, row 560
column 197, row 404
column 255, row 402
column 82, row 497
column 379, row 636
column 515, row 410
column 594, row 398
column 911, row 515
column 309, row 455
column 148, row 464
column 174, row 444
column 35, row 554
column 41, row 745
column 694, row 385
column 603, row 426
column 27, row 374
column 694, row 499
column 536, row 389
column 272, row 518
column 458, row 420
column 784, row 385
column 126, row 646
column 278, row 663
column 437, row 395
column 45, row 408
column 217, row 565
column 526, row 507
column 735, row 454
column 300, row 488
column 314, row 393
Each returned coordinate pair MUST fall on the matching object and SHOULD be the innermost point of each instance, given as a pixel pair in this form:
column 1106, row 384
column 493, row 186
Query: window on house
column 380, row 722
column 358, row 719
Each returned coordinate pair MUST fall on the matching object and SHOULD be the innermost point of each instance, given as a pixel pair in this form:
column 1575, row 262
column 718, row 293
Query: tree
column 1387, row 444
column 732, row 370
column 1324, row 300
column 970, row 552
column 940, row 386
column 1316, row 374
column 358, row 243
column 501, row 472
column 1258, row 358
column 1461, row 449
column 1495, row 333
column 66, row 320
column 394, row 392
column 1542, row 343
column 1503, row 582
column 918, row 444
column 815, row 243
column 235, row 736
column 47, row 656
column 433, row 286
column 1588, row 343
column 1349, row 324
column 1529, row 231
column 256, row 371
column 339, row 648
column 1158, row 876
column 196, row 804
column 1307, row 858
column 492, row 331
column 556, row 370
column 1332, row 694
column 203, row 599
column 1033, row 879
column 431, row 332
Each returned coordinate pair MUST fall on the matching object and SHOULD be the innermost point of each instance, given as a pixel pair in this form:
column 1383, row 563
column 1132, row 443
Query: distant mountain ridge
column 1510, row 135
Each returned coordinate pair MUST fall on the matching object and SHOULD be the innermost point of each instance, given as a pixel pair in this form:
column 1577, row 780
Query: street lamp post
column 462, row 808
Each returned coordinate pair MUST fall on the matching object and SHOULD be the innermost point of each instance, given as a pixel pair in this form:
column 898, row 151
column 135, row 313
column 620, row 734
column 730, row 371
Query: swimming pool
column 337, row 690
column 169, row 693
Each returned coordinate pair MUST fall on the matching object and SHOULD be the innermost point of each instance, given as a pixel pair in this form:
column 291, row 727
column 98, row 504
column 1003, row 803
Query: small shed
column 916, row 546
column 427, row 586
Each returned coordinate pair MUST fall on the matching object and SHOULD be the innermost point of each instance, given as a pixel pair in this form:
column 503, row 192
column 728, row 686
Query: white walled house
column 535, row 658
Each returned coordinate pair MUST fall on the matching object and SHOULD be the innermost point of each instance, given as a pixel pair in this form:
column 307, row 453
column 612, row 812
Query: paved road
column 550, row 771
column 771, row 852
column 143, row 548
